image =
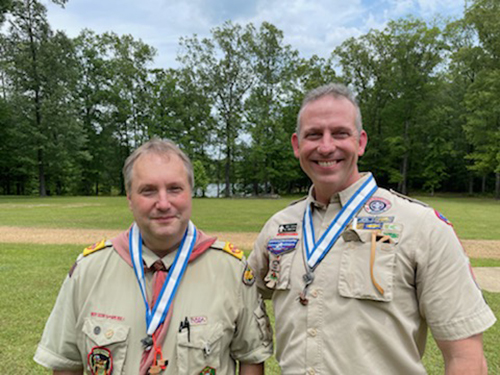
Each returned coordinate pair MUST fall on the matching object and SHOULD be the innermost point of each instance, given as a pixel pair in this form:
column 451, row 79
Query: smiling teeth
column 326, row 163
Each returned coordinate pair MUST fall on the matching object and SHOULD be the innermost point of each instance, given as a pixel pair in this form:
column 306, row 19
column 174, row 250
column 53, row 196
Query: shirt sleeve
column 58, row 348
column 449, row 298
column 259, row 262
column 252, row 341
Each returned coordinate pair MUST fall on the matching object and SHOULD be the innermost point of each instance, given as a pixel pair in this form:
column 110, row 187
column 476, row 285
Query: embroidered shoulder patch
column 234, row 251
column 95, row 247
column 208, row 371
column 248, row 277
column 442, row 217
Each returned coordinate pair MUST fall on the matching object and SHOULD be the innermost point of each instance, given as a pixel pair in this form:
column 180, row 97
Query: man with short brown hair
column 162, row 297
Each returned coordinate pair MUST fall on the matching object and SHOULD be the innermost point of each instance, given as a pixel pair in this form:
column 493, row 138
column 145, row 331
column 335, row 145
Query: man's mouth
column 327, row 163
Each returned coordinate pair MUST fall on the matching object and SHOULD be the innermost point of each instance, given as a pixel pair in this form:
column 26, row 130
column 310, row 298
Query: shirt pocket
column 367, row 265
column 199, row 347
column 110, row 338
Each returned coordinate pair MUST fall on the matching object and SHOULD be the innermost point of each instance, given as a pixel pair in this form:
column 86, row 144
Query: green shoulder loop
column 408, row 198
column 229, row 248
column 297, row 201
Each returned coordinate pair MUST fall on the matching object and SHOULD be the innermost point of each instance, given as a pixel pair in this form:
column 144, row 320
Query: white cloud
column 312, row 27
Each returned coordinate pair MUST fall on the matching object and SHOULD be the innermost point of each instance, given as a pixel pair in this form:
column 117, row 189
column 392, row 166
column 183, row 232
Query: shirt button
column 312, row 332
column 311, row 371
column 109, row 333
column 314, row 293
column 97, row 330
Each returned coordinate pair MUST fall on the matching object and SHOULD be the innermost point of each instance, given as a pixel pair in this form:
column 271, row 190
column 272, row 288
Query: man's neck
column 162, row 248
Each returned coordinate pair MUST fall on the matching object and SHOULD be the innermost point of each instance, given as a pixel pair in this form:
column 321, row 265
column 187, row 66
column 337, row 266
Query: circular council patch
column 377, row 205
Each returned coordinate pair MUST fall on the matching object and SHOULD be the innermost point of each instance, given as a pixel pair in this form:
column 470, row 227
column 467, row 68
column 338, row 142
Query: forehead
column 153, row 168
column 328, row 111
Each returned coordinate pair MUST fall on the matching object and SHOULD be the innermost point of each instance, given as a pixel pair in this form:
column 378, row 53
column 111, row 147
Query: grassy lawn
column 473, row 218
column 30, row 275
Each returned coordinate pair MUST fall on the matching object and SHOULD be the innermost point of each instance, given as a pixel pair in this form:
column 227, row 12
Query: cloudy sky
column 312, row 27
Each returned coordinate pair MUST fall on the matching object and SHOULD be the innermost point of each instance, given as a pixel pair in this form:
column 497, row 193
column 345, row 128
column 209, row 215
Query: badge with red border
column 442, row 217
column 100, row 361
column 377, row 205
column 208, row 371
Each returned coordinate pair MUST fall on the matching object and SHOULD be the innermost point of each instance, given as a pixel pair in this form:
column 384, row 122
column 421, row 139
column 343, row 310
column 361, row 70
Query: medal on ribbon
column 156, row 315
column 315, row 251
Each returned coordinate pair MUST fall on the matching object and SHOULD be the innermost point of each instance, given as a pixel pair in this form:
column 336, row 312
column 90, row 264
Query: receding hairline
column 336, row 91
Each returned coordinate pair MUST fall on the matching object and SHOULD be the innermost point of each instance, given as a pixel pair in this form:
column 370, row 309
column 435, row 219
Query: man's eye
column 175, row 189
column 313, row 135
column 147, row 191
column 341, row 135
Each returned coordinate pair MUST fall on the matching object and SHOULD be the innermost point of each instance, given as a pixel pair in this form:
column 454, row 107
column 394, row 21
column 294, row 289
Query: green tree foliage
column 222, row 66
column 72, row 110
column 41, row 73
column 482, row 99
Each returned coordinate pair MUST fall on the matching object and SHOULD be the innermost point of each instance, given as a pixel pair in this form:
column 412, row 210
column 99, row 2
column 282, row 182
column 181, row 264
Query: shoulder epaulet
column 96, row 247
column 229, row 248
column 408, row 198
column 297, row 201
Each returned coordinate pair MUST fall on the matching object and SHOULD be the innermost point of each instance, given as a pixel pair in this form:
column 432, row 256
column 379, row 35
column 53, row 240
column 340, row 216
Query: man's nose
column 163, row 202
column 326, row 144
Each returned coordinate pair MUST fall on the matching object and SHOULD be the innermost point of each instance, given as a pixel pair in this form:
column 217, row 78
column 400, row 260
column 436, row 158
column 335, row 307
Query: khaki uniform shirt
column 101, row 304
column 348, row 325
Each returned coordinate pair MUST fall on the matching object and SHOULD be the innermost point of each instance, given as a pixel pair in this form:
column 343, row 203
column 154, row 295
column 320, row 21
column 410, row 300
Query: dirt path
column 474, row 248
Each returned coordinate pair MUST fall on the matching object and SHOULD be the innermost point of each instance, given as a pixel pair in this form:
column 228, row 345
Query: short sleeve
column 58, row 349
column 259, row 262
column 252, row 341
column 449, row 298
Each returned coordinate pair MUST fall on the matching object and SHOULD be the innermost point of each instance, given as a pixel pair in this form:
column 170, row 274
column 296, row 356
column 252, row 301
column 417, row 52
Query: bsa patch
column 248, row 277
column 100, row 361
column 287, row 229
column 208, row 371
column 198, row 320
column 377, row 205
column 375, row 219
column 392, row 230
column 234, row 251
column 278, row 246
column 95, row 247
column 442, row 217
column 370, row 226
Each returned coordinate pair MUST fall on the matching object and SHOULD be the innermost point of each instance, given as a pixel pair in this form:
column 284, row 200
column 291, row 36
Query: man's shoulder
column 228, row 248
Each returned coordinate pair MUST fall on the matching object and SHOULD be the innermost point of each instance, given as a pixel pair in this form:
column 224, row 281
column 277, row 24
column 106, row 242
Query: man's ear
column 295, row 145
column 363, row 141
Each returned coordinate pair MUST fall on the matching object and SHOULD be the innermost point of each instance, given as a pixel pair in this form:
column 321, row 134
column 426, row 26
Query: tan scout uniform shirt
column 348, row 326
column 101, row 305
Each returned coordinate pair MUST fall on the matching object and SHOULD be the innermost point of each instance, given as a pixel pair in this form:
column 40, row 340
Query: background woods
column 71, row 110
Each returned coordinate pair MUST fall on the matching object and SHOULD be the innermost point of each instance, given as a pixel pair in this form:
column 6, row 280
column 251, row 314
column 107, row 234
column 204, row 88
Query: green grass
column 31, row 275
column 473, row 218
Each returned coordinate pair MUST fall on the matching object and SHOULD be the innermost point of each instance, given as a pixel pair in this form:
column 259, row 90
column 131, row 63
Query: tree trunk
column 471, row 184
column 497, row 186
column 404, row 167
column 483, row 184
column 41, row 175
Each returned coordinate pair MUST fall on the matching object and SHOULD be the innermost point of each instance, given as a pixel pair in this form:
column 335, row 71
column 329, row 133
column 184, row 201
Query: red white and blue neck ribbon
column 316, row 251
column 156, row 315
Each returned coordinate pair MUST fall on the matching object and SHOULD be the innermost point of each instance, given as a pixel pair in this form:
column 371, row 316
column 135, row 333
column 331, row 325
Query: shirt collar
column 342, row 196
column 149, row 257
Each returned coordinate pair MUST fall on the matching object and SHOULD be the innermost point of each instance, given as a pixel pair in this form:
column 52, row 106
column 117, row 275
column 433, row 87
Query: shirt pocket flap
column 355, row 235
column 105, row 333
column 201, row 337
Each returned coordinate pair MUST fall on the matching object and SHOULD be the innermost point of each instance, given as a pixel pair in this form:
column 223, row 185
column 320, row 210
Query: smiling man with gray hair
column 357, row 273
